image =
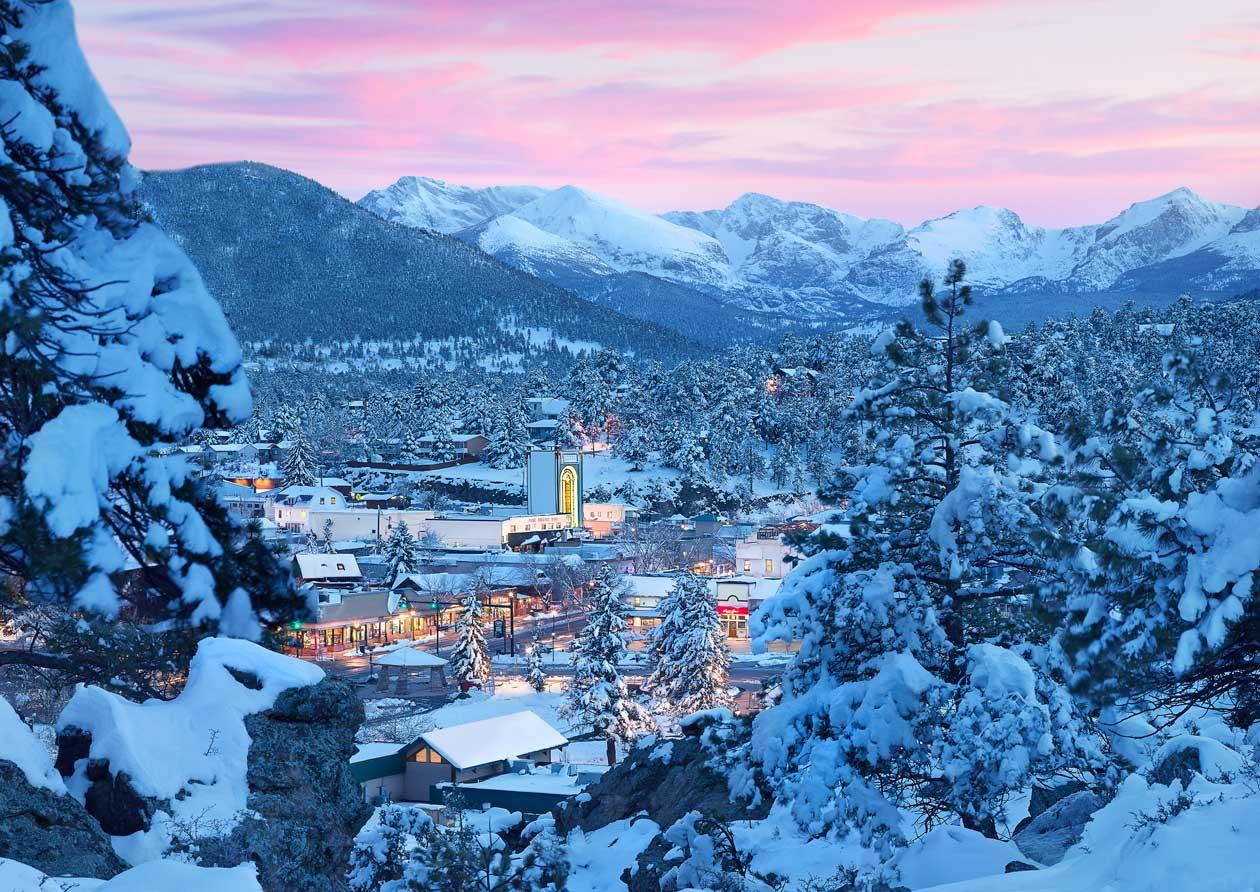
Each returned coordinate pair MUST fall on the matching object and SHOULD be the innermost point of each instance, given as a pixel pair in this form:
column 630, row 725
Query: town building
column 466, row 754
column 554, row 482
column 327, row 569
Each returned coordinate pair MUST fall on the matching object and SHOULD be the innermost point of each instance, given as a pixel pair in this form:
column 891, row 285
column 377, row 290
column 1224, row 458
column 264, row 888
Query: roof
column 356, row 605
column 649, row 586
column 375, row 760
column 489, row 575
column 410, row 657
column 328, row 566
column 494, row 739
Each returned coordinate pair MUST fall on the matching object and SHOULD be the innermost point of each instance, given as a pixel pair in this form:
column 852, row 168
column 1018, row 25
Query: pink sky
column 1066, row 112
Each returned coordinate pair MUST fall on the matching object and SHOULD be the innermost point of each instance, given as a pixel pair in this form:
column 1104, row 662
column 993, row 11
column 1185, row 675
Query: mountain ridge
column 795, row 258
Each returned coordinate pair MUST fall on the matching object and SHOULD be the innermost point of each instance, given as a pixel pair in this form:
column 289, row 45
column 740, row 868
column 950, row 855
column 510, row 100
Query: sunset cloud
column 904, row 109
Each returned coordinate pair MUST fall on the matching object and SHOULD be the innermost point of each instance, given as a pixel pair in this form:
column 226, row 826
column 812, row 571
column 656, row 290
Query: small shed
column 404, row 662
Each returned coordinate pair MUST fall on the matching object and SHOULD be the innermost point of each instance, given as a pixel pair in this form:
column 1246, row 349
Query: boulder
column 1048, row 836
column 665, row 781
column 1019, row 867
column 307, row 808
column 51, row 831
column 1183, row 757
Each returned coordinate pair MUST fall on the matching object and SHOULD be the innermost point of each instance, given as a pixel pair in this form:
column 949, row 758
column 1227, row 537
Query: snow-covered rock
column 1047, row 837
column 189, row 754
column 155, row 876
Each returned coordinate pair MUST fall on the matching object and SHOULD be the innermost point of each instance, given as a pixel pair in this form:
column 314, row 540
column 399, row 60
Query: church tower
column 553, row 483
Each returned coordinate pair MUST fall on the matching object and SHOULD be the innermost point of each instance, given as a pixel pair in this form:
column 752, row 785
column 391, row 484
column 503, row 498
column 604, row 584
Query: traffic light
column 433, row 605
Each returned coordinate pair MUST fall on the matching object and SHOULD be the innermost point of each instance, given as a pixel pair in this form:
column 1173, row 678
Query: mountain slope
column 291, row 260
column 805, row 262
column 445, row 207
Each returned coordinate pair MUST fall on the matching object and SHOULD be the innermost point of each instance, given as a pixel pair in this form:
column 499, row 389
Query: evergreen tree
column 597, row 693
column 326, row 538
column 536, row 677
column 412, row 448
column 1153, row 535
column 470, row 661
column 382, row 853
column 298, row 465
column 442, row 430
column 509, row 441
column 897, row 697
column 402, row 554
column 690, row 657
column 113, row 349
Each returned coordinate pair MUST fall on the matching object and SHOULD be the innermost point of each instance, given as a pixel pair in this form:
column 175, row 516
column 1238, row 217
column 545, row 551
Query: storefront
column 734, row 618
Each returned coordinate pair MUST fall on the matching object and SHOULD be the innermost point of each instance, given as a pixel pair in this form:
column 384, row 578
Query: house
column 463, row 446
column 291, row 506
column 765, row 555
column 546, row 418
column 473, row 751
column 242, row 500
column 334, row 569
column 234, row 453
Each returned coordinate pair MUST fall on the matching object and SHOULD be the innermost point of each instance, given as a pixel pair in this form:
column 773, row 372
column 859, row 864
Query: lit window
column 747, row 566
column 333, row 500
column 769, row 566
column 341, row 566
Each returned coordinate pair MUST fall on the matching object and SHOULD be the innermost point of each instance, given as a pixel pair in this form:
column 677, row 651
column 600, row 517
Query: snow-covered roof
column 410, row 657
column 649, row 586
column 494, row 739
column 328, row 566
column 462, row 583
column 365, row 751
column 549, row 405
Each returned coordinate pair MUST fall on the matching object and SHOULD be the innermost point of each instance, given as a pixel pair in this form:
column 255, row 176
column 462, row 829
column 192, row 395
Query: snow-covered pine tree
column 536, row 675
column 1155, row 533
column 470, row 660
column 509, row 441
column 412, row 448
column 691, row 660
column 114, row 350
column 597, row 694
column 402, row 554
column 383, row 852
column 442, row 430
column 298, row 465
column 326, row 540
column 896, row 699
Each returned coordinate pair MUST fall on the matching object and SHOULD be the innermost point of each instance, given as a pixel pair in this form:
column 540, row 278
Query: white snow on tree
column 509, row 441
column 1155, row 533
column 298, row 465
column 894, row 699
column 536, row 677
column 470, row 660
column 117, row 351
column 597, row 694
column 691, row 660
column 402, row 553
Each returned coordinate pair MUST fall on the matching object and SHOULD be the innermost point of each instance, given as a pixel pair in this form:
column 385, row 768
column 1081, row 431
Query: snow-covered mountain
column 445, row 207
column 807, row 261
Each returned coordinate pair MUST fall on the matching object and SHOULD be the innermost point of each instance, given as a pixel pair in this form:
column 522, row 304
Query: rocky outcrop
column 51, row 831
column 304, row 808
column 665, row 781
column 1047, row 837
column 308, row 807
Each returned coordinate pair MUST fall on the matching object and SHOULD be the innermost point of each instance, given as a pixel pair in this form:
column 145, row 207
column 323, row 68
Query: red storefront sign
column 731, row 610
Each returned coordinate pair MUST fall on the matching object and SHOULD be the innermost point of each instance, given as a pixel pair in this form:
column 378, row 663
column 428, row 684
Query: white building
column 764, row 554
column 327, row 568
column 291, row 507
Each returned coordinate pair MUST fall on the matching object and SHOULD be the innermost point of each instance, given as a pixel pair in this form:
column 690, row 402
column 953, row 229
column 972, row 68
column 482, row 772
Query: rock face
column 1049, row 835
column 51, row 832
column 666, row 781
column 300, row 786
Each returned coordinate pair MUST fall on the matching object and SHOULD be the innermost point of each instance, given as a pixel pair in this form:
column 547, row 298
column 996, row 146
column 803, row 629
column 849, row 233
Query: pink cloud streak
column 852, row 104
